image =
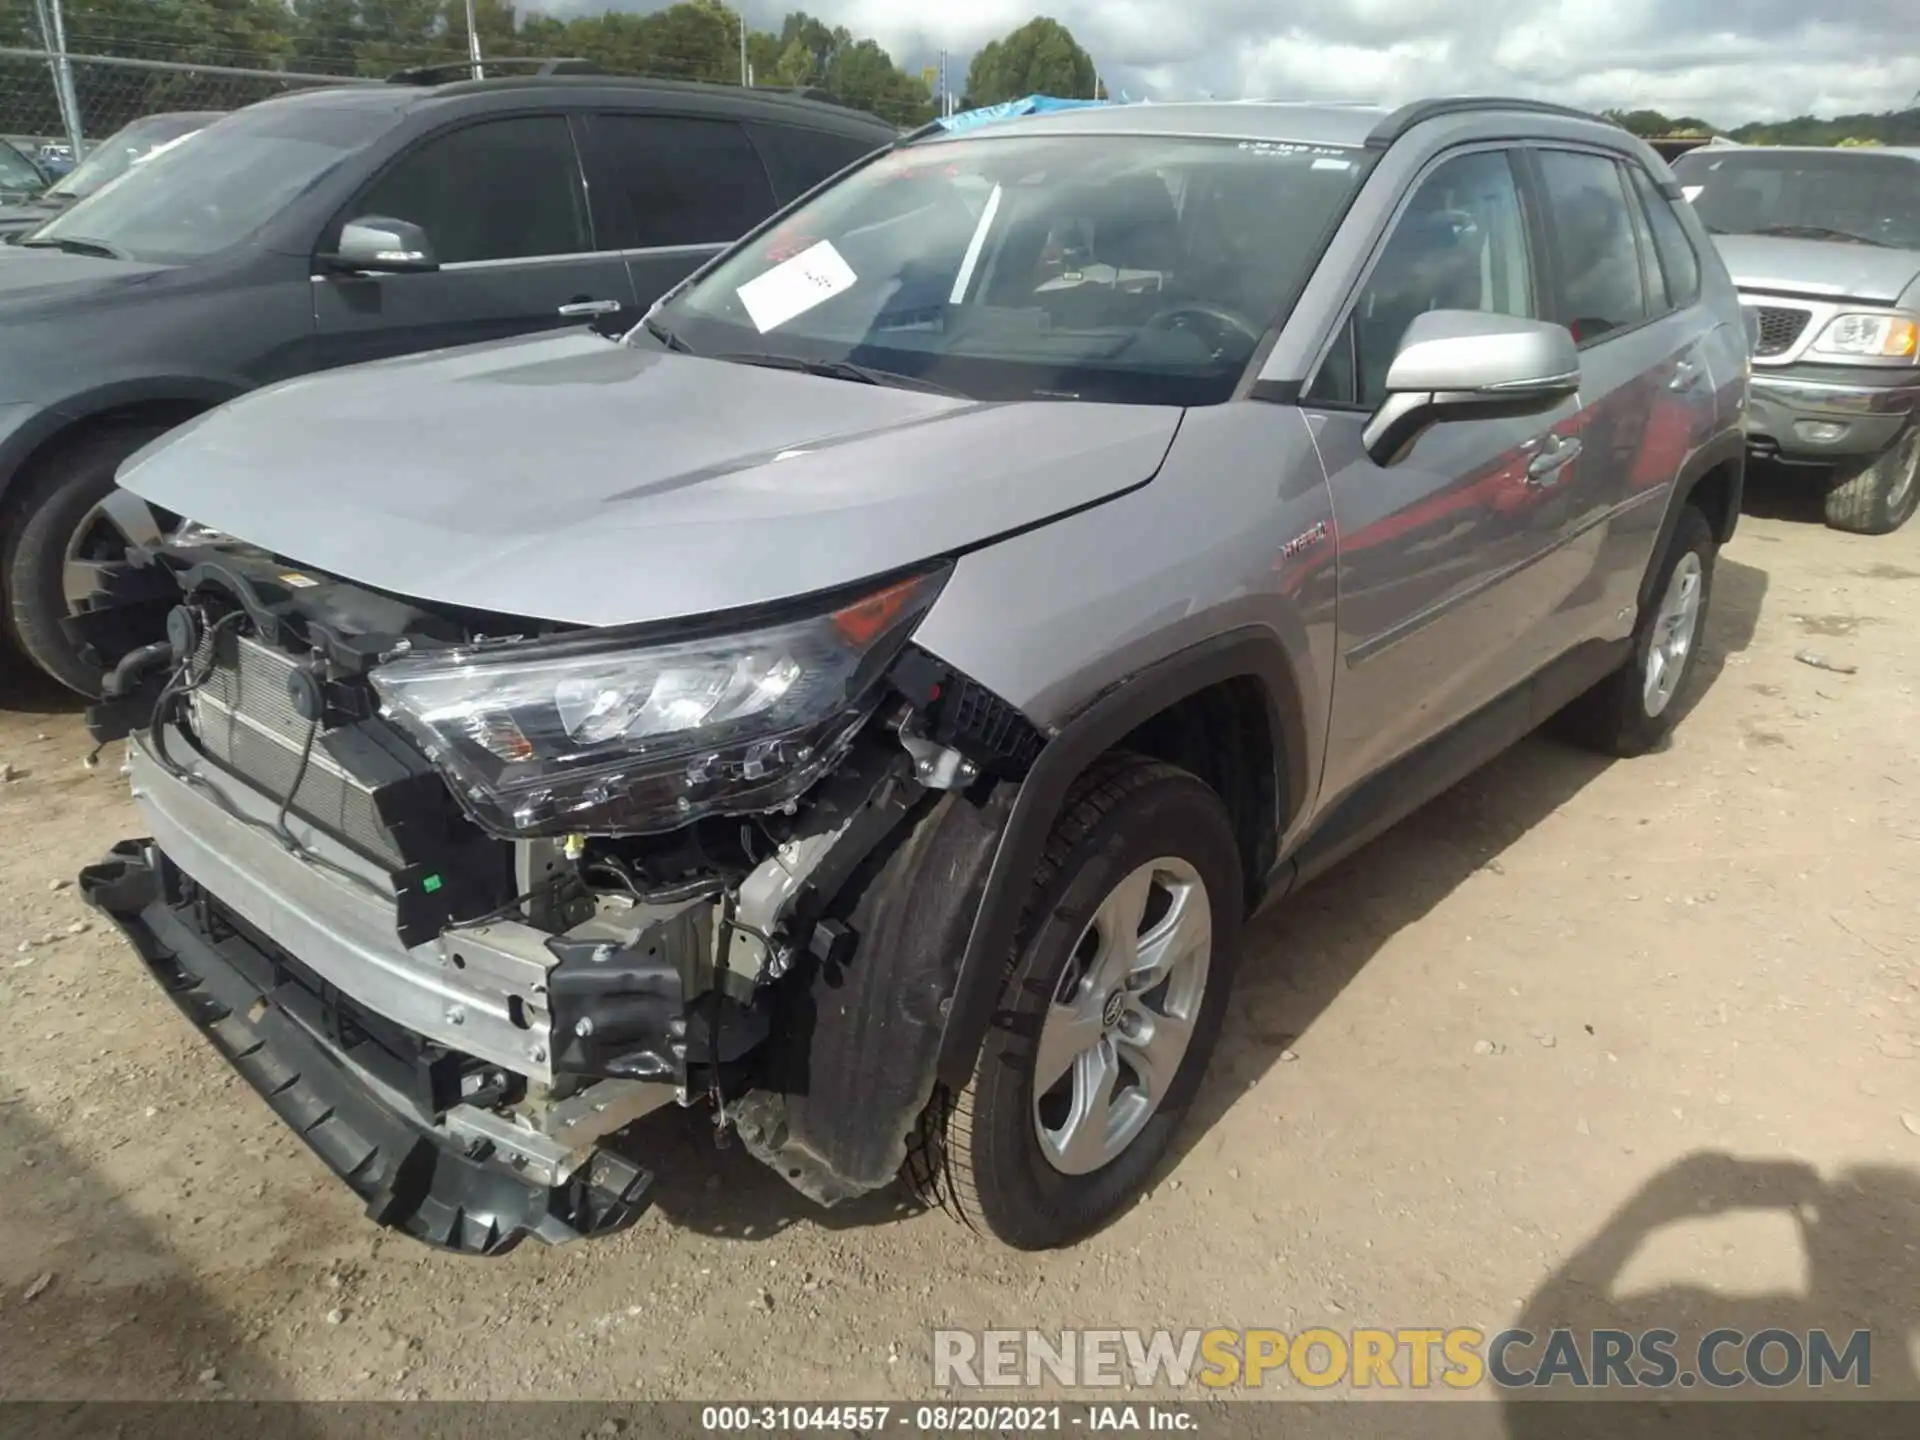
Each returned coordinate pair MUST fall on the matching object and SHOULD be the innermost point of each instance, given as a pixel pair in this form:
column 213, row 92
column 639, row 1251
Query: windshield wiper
column 845, row 370
column 1818, row 232
column 72, row 245
column 665, row 336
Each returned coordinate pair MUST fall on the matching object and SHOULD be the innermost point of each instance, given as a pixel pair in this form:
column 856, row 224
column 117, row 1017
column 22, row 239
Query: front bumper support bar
column 450, row 1193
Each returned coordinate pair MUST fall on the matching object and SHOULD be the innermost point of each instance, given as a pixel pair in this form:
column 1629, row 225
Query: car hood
column 31, row 277
column 572, row 479
column 1826, row 269
column 27, row 215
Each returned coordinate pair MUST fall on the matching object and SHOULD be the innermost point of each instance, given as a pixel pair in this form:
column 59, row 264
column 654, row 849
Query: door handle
column 577, row 309
column 1544, row 469
column 1684, row 376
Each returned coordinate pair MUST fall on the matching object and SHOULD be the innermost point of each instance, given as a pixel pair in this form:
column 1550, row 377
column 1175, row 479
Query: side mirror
column 1468, row 365
column 376, row 245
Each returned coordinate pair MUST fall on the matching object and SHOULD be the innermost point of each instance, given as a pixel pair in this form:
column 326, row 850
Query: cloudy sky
column 1726, row 60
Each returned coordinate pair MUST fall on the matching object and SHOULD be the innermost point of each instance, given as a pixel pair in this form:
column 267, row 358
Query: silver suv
column 867, row 701
column 1824, row 244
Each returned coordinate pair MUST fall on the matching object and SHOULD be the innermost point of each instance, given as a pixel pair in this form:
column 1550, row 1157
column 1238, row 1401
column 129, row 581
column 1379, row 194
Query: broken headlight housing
column 623, row 733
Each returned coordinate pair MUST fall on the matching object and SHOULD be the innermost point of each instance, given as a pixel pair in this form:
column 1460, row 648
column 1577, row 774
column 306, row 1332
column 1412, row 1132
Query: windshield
column 195, row 199
column 17, row 174
column 1833, row 194
column 1134, row 269
column 115, row 155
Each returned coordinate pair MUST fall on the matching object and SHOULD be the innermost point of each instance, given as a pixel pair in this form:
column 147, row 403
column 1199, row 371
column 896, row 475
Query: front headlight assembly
column 611, row 733
column 1876, row 335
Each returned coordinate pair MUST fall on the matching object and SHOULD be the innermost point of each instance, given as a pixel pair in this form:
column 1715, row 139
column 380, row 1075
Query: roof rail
column 463, row 69
column 803, row 92
column 1420, row 111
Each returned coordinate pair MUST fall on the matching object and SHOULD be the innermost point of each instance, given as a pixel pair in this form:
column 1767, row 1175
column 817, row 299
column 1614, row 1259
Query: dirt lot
column 1607, row 1043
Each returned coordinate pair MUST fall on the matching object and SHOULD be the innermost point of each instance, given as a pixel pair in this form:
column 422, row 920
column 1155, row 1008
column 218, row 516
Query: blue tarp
column 1006, row 110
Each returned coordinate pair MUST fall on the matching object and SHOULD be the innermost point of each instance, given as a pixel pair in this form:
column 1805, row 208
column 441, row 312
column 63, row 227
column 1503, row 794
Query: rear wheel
column 1878, row 496
column 70, row 521
column 1633, row 709
column 1112, row 1004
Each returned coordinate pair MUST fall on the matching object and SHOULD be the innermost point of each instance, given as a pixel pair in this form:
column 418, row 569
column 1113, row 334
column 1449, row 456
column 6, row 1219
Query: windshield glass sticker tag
column 795, row 286
column 1687, row 192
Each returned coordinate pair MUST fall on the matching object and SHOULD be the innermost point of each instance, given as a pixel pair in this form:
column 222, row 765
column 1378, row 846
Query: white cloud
column 1728, row 60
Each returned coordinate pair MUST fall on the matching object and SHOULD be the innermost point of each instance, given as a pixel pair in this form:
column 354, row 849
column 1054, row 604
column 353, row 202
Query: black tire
column 1613, row 717
column 978, row 1153
column 58, row 497
column 1878, row 496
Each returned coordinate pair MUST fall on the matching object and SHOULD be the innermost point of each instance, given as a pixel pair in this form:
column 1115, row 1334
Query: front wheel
column 1879, row 496
column 71, row 521
column 1113, row 1001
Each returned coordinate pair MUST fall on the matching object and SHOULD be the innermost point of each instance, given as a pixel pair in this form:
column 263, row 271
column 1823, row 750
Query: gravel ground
column 1627, row 1043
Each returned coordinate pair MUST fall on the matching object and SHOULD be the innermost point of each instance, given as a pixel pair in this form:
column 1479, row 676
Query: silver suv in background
column 1824, row 245
column 867, row 701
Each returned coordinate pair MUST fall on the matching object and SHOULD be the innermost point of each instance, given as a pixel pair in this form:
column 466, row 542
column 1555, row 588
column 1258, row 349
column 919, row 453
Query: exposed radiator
column 244, row 719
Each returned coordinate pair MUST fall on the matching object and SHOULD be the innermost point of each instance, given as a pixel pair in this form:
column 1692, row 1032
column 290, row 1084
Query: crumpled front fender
column 856, row 1061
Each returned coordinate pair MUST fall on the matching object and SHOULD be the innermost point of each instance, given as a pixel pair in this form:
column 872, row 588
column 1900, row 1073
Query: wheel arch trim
column 1247, row 653
column 1726, row 452
column 47, row 424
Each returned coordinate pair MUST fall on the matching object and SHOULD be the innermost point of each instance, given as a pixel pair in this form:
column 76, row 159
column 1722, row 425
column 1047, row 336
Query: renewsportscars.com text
column 1413, row 1358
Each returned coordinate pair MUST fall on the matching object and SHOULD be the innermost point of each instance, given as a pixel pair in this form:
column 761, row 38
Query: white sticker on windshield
column 795, row 286
column 1325, row 164
column 1687, row 192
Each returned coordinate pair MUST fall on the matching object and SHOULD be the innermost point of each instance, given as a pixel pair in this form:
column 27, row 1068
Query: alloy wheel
column 1906, row 470
column 1122, row 1016
column 102, row 538
column 1674, row 628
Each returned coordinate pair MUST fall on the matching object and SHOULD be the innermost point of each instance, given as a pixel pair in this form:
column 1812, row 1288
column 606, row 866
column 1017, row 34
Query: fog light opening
column 1820, row 432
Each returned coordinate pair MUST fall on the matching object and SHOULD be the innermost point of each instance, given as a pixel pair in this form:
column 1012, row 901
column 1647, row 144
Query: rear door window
column 498, row 190
column 800, row 159
column 1602, row 289
column 1679, row 265
column 676, row 180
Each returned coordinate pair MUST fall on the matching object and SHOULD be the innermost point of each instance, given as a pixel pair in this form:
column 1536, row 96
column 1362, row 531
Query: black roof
column 808, row 106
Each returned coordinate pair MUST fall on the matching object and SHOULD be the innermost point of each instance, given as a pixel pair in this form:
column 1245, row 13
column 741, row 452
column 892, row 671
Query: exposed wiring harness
column 184, row 682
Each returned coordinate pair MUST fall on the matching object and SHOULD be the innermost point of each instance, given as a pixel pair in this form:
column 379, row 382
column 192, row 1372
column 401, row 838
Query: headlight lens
column 1882, row 336
column 605, row 734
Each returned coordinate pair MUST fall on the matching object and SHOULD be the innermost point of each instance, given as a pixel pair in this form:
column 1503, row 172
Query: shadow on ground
column 728, row 1194
column 1860, row 1234
column 1776, row 491
column 25, row 691
column 97, row 1306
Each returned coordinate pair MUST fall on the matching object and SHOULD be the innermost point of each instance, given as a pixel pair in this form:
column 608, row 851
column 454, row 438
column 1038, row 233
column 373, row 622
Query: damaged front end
column 462, row 907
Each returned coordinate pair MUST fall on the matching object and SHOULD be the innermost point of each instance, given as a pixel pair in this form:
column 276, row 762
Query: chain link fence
column 78, row 75
column 110, row 91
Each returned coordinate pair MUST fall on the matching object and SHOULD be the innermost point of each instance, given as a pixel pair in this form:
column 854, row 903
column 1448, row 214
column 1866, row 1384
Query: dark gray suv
column 867, row 703
column 236, row 258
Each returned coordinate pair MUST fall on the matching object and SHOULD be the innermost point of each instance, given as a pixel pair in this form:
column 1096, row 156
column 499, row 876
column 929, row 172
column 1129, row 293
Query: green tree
column 795, row 66
column 863, row 75
column 1040, row 58
column 821, row 44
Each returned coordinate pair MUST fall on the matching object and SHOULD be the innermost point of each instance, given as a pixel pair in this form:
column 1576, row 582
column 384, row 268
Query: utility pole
column 746, row 75
column 473, row 44
column 53, row 33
